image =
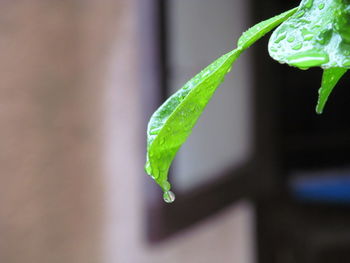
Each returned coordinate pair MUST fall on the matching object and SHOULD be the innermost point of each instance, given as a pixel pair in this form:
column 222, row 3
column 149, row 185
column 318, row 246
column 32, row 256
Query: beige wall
column 52, row 56
column 71, row 152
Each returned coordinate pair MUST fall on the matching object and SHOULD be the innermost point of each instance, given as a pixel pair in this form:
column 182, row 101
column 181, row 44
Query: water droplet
column 299, row 13
column 229, row 69
column 307, row 35
column 205, row 73
column 308, row 59
column 291, row 39
column 321, row 6
column 297, row 46
column 280, row 37
column 154, row 131
column 309, row 3
column 162, row 141
column 303, row 21
column 155, row 173
column 169, row 197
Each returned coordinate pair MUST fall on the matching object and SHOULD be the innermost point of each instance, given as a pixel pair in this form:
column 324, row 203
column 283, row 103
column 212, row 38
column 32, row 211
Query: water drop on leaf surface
column 162, row 141
column 299, row 13
column 291, row 39
column 280, row 37
column 308, row 59
column 297, row 46
column 309, row 3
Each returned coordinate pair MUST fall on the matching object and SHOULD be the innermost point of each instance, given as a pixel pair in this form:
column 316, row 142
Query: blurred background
column 262, row 179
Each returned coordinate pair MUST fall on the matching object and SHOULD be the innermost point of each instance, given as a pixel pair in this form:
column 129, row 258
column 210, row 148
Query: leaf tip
column 319, row 109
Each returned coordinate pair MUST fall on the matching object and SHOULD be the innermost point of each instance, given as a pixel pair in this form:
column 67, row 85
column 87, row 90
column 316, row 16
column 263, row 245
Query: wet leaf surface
column 317, row 35
column 172, row 123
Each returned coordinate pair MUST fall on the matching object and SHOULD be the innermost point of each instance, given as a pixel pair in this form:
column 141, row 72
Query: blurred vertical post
column 52, row 62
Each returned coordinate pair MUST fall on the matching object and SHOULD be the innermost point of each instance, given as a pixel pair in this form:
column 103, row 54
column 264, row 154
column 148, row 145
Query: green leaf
column 318, row 34
column 172, row 123
column 330, row 78
column 259, row 30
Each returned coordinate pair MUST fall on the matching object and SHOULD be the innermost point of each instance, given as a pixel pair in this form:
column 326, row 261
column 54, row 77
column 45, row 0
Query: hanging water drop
column 169, row 197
